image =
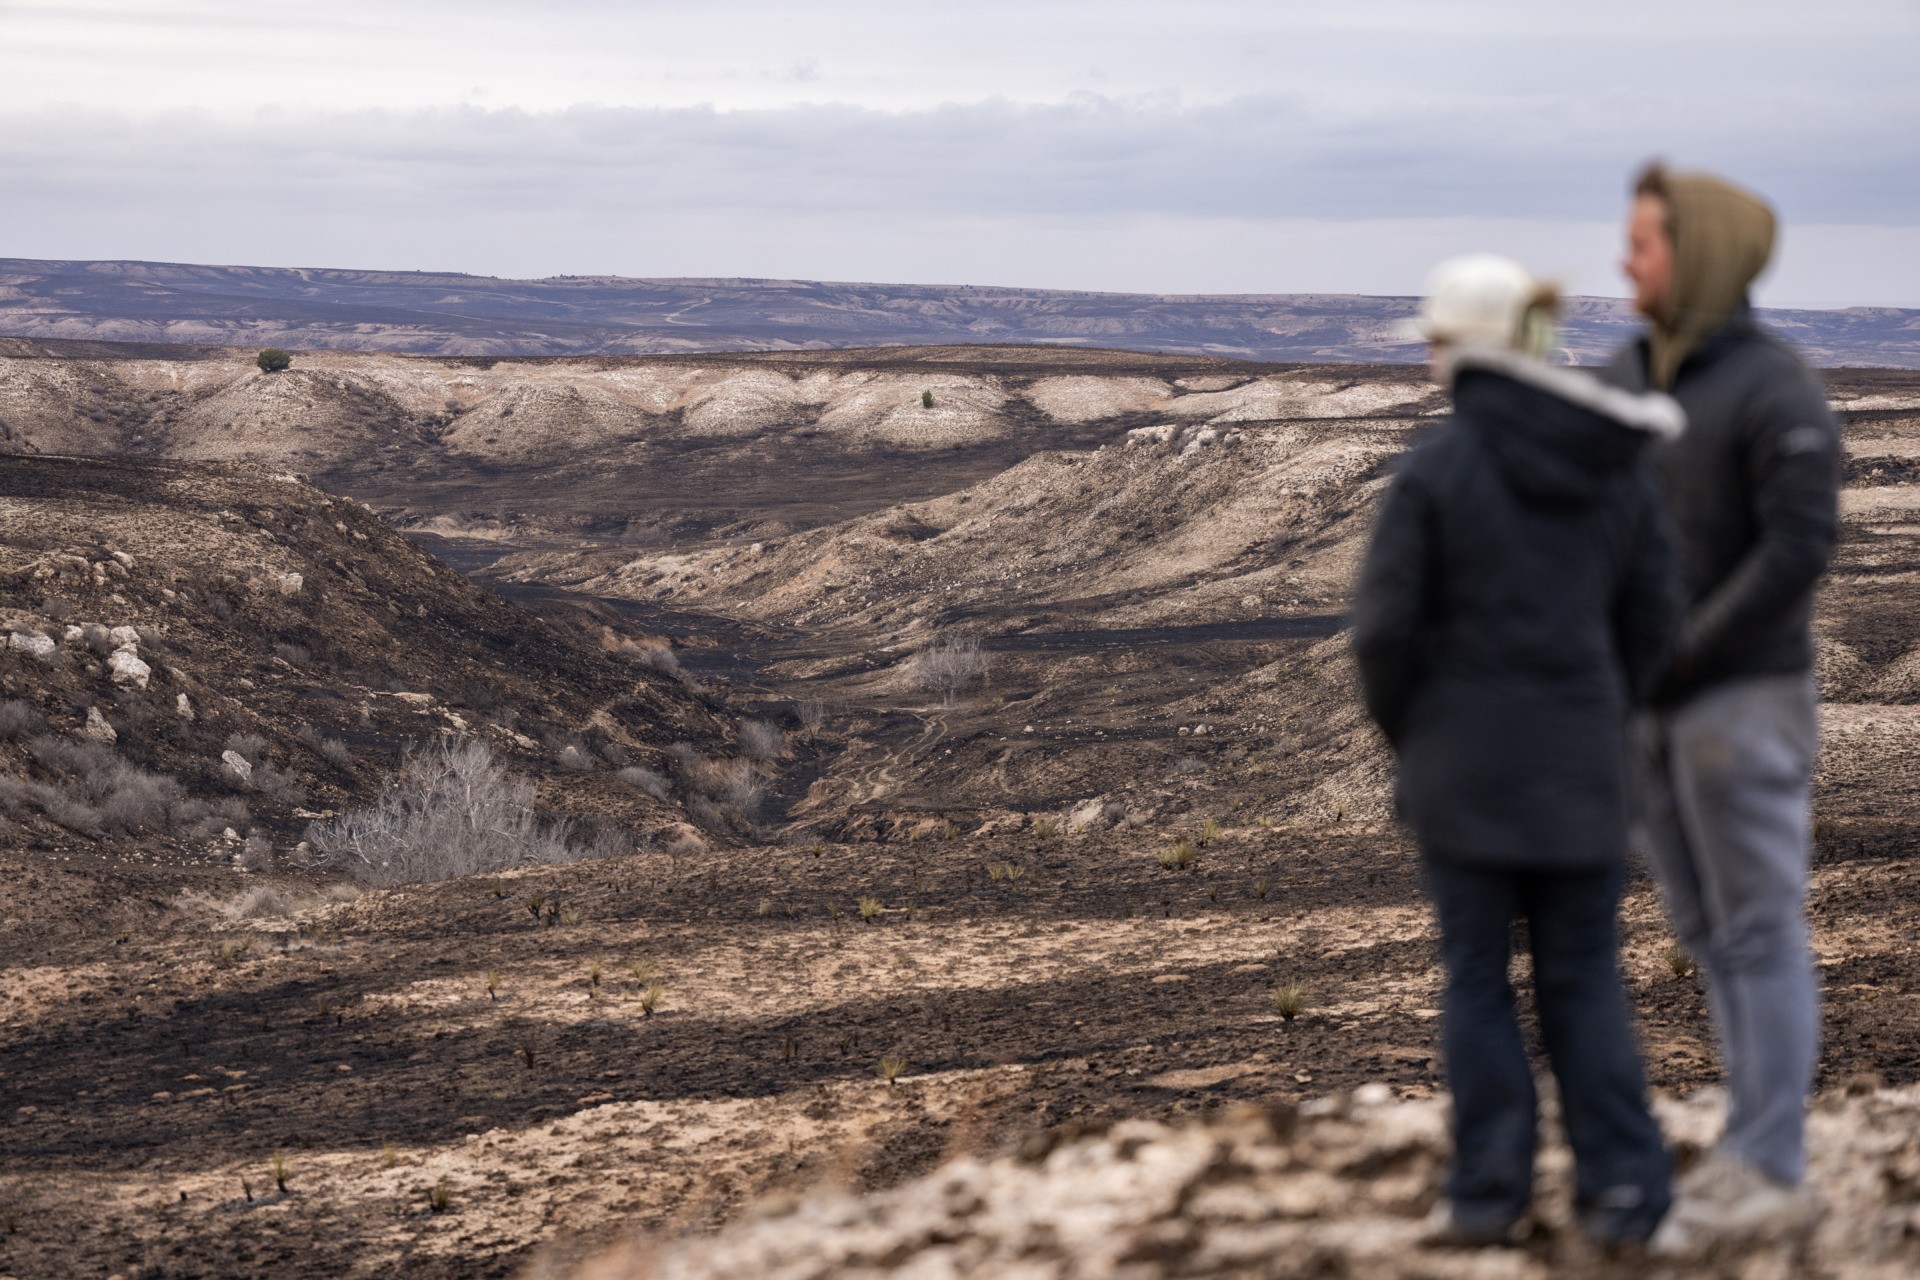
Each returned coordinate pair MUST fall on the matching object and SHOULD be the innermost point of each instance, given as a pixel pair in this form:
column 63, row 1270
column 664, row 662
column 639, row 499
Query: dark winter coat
column 1751, row 494
column 1514, row 601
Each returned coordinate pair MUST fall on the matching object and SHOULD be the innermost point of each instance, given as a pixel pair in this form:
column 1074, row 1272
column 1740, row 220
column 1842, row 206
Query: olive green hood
column 1722, row 239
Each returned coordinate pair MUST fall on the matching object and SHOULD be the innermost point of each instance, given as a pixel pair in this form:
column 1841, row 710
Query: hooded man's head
column 1694, row 244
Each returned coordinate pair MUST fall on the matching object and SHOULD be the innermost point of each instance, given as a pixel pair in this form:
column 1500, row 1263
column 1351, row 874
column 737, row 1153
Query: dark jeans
column 1622, row 1171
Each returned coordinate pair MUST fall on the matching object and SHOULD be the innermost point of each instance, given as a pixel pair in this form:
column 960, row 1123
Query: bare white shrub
column 655, row 657
column 949, row 666
column 575, row 756
column 812, row 714
column 643, row 779
column 739, row 784
column 762, row 740
column 451, row 811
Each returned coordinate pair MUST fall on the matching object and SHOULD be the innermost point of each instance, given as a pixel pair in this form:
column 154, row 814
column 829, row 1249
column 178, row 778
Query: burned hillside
column 202, row 660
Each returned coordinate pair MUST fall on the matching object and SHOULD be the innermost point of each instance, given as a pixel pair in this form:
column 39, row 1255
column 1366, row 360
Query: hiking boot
column 1726, row 1200
column 1450, row 1227
column 1619, row 1217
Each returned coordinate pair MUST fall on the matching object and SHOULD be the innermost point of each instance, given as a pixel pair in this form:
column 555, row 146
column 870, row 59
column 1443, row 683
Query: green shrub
column 273, row 360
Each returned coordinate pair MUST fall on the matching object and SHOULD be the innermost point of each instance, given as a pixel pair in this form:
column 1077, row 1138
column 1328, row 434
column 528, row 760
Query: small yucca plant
column 1679, row 960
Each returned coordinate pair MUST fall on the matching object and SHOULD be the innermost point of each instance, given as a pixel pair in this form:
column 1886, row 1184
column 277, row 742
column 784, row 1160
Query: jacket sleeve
column 1792, row 461
column 1391, row 606
column 1646, row 608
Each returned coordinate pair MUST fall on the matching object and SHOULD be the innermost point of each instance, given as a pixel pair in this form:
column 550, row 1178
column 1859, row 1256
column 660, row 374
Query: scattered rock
column 33, row 644
column 97, row 728
column 290, row 584
column 237, row 764
column 121, row 637
column 126, row 668
column 183, row 707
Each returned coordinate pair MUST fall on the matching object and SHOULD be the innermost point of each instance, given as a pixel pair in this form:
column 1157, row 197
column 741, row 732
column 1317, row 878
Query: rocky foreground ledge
column 1338, row 1188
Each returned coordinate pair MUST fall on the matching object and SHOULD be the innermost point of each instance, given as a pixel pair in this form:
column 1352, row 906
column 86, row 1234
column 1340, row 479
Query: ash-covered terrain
column 961, row 756
column 435, row 313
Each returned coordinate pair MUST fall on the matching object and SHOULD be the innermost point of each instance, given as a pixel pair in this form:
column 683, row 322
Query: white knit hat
column 1485, row 300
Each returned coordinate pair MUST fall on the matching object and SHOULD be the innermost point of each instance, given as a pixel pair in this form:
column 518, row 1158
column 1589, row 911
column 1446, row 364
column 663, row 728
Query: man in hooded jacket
column 1725, row 759
column 1514, row 601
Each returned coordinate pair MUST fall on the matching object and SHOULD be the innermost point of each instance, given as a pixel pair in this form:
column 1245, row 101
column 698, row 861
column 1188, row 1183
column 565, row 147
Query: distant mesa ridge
column 448, row 314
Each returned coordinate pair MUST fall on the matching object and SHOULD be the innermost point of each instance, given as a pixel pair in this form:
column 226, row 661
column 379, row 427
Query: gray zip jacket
column 1751, row 493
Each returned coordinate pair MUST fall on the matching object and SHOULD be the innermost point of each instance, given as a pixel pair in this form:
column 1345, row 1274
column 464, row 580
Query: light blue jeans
column 1725, row 792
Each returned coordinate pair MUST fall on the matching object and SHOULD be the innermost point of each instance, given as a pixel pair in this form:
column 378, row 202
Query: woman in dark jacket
column 1514, row 603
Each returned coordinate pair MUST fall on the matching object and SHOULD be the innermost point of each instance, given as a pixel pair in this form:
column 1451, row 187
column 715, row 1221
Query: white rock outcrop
column 33, row 644
column 237, row 764
column 126, row 667
column 97, row 729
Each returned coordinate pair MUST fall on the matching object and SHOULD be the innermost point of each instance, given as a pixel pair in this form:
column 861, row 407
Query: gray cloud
column 938, row 141
column 1275, row 156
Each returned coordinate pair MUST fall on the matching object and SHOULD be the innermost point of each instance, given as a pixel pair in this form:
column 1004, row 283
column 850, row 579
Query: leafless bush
column 139, row 799
column 647, row 780
column 98, row 790
column 332, row 750
column 655, row 657
column 96, row 638
column 695, row 773
column 610, row 842
column 202, row 819
column 451, row 811
column 575, row 755
column 705, row 813
column 258, row 902
column 811, row 714
column 256, row 853
column 17, row 719
column 277, row 785
column 294, row 655
column 949, row 666
column 740, row 785
column 762, row 740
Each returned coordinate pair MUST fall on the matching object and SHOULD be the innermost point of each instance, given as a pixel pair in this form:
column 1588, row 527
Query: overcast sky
column 1203, row 146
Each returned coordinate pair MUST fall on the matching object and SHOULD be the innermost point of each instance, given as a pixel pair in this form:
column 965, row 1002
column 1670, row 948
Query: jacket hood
column 1722, row 239
column 1556, row 435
